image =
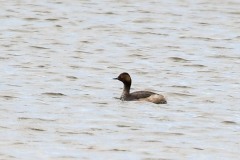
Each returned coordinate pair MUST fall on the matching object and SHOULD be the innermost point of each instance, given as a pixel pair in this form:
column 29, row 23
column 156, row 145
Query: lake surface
column 58, row 59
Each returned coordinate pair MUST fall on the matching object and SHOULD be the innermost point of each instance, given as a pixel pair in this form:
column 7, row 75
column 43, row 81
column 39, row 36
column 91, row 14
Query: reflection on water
column 57, row 94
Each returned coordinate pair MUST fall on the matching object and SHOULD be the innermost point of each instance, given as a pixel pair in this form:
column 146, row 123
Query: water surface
column 58, row 59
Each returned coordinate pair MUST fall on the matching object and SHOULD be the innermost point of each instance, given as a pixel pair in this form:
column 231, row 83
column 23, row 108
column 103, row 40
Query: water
column 58, row 59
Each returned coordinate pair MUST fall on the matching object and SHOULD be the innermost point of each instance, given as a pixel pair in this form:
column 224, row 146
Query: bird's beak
column 115, row 78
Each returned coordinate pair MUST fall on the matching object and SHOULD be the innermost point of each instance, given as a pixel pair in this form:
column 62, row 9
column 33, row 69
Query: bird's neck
column 126, row 91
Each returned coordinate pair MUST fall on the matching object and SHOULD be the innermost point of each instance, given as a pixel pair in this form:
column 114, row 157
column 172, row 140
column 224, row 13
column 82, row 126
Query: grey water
column 57, row 95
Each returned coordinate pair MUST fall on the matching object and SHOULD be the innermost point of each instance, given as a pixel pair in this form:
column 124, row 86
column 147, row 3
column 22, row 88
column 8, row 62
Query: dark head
column 125, row 78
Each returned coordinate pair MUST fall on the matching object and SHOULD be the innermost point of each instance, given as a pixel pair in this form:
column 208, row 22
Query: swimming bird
column 139, row 95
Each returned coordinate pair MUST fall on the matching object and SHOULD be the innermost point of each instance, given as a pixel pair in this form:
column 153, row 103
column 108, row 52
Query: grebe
column 139, row 95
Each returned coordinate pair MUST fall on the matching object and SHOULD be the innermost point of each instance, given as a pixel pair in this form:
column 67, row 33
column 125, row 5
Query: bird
column 148, row 96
